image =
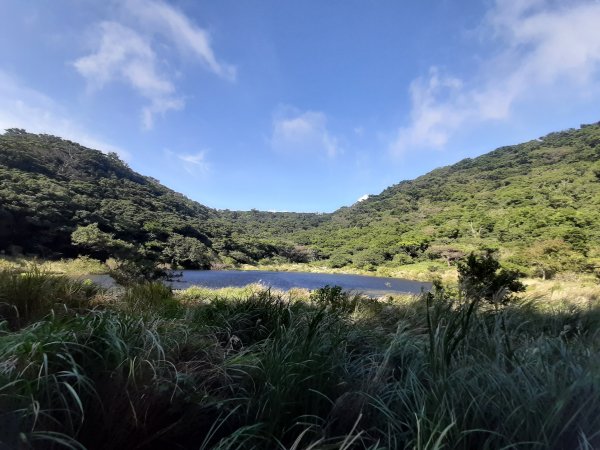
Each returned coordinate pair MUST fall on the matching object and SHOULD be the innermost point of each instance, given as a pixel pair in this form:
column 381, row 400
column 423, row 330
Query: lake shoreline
column 284, row 281
column 416, row 272
column 83, row 266
column 581, row 286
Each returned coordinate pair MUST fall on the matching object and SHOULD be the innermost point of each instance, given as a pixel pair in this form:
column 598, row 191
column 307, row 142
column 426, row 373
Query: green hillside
column 537, row 202
column 51, row 188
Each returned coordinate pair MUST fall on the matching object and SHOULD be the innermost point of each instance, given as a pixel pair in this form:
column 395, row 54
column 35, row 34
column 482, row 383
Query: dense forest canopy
column 537, row 202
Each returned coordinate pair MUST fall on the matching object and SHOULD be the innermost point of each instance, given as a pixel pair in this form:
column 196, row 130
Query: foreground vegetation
column 145, row 367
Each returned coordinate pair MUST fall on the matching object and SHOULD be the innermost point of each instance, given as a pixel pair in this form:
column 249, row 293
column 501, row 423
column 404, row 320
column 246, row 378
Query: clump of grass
column 261, row 369
column 11, row 263
column 80, row 266
column 30, row 295
column 89, row 379
column 424, row 271
column 583, row 291
column 148, row 297
column 200, row 293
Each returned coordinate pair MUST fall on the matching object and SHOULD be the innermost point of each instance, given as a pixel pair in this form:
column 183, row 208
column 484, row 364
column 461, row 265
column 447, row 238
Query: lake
column 373, row 286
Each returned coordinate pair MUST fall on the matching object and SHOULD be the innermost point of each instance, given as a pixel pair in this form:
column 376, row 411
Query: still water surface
column 374, row 286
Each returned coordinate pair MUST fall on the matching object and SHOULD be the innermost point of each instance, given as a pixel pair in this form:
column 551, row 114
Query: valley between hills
column 537, row 204
column 482, row 359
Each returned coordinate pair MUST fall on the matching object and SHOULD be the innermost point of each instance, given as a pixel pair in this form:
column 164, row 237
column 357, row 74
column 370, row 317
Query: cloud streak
column 544, row 45
column 124, row 55
column 302, row 133
column 134, row 55
column 194, row 163
column 190, row 39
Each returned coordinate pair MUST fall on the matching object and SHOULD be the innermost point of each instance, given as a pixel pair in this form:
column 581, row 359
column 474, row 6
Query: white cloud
column 546, row 47
column 431, row 117
column 124, row 55
column 362, row 198
column 130, row 54
column 303, row 133
column 194, row 163
column 175, row 26
column 23, row 107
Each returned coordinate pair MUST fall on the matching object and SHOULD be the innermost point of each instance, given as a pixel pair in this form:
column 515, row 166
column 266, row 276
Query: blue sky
column 297, row 106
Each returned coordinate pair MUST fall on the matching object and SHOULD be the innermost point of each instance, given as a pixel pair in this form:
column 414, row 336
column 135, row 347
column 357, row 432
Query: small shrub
column 334, row 298
column 128, row 272
column 480, row 276
column 401, row 259
column 337, row 261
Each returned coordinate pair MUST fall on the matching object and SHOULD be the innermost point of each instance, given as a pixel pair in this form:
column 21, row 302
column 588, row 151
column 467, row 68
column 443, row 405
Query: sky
column 285, row 105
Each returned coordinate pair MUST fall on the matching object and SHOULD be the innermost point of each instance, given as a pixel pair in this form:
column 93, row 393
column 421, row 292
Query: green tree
column 186, row 252
column 100, row 243
column 481, row 277
column 369, row 258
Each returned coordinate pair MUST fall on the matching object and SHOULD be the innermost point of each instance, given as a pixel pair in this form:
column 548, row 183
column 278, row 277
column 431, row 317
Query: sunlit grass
column 80, row 266
column 421, row 271
column 28, row 296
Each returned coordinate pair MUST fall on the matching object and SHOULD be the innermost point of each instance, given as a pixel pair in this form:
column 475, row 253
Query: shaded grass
column 250, row 368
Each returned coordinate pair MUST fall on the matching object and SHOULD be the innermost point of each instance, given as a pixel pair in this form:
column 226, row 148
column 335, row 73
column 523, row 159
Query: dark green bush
column 480, row 276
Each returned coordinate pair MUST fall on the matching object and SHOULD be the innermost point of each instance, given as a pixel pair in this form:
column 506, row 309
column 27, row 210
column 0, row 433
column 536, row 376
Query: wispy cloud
column 304, row 132
column 554, row 46
column 124, row 55
column 195, row 163
column 190, row 39
column 131, row 54
column 23, row 107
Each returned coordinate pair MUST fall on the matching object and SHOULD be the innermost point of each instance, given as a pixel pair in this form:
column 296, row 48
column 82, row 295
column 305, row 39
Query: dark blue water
column 374, row 286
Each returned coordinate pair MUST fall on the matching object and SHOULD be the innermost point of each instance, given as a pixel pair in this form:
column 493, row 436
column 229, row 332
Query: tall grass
column 27, row 296
column 80, row 266
column 261, row 370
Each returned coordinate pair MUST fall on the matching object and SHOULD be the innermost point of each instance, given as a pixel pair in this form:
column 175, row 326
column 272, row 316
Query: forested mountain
column 537, row 202
column 58, row 198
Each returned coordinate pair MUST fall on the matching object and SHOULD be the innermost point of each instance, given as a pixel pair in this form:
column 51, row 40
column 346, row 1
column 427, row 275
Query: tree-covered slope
column 50, row 188
column 538, row 202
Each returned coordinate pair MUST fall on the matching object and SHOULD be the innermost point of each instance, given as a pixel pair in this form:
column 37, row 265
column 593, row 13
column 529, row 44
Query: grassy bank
column 80, row 266
column 565, row 286
column 417, row 271
column 251, row 368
